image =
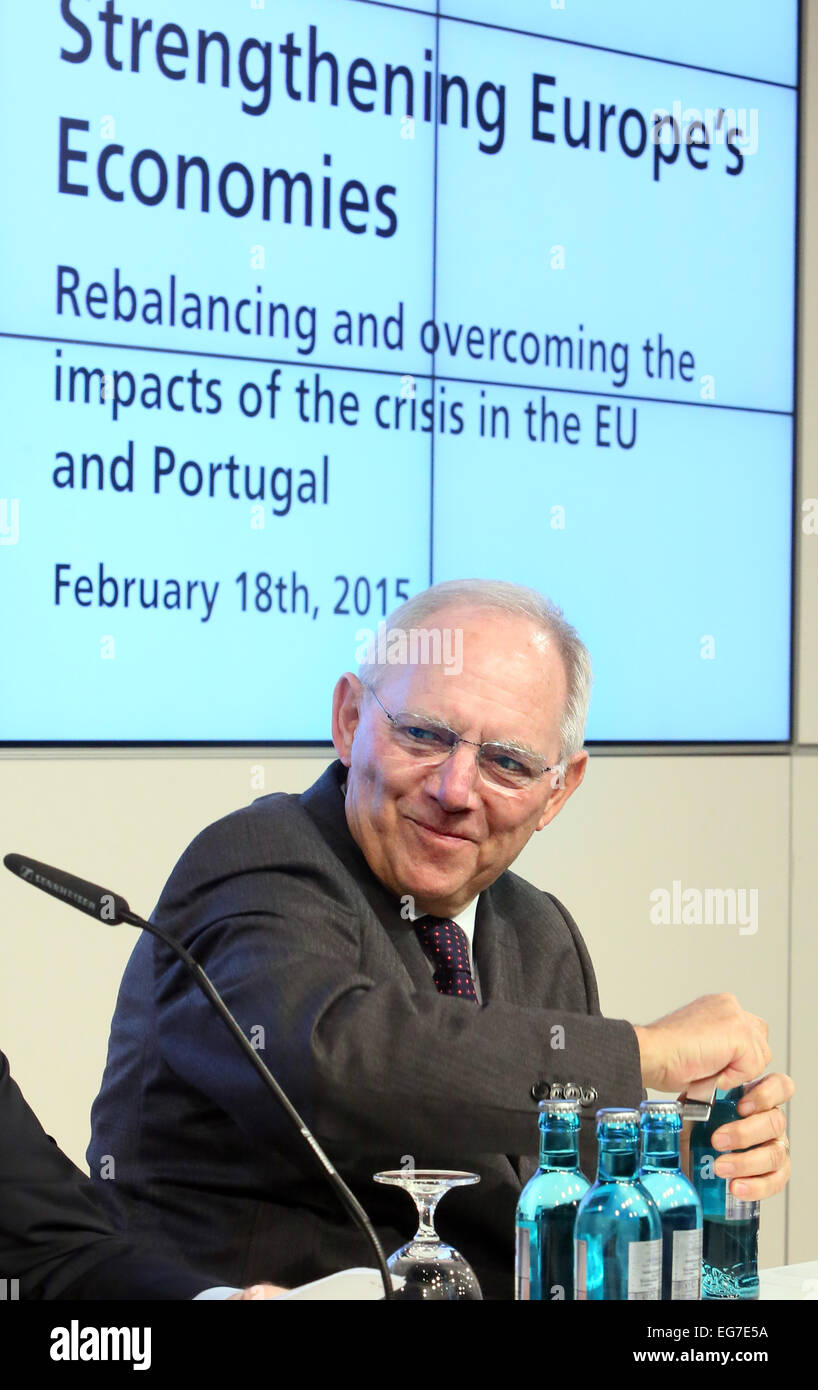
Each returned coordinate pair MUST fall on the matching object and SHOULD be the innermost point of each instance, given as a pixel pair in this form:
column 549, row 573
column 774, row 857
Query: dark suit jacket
column 309, row 949
column 55, row 1236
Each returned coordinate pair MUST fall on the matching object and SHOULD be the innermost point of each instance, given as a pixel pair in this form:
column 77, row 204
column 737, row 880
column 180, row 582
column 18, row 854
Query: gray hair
column 519, row 601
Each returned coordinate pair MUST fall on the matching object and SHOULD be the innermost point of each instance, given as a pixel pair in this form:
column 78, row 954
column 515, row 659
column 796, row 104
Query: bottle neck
column 618, row 1158
column 660, row 1149
column 559, row 1144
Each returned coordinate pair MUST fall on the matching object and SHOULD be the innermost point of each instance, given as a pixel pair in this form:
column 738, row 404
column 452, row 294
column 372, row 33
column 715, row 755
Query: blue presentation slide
column 308, row 304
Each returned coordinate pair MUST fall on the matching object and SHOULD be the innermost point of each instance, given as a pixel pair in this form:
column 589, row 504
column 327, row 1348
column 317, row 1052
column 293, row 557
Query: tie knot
column 446, row 945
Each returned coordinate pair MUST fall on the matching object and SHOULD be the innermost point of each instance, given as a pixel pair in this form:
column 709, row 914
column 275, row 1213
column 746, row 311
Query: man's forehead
column 507, row 662
column 500, row 625
column 489, row 641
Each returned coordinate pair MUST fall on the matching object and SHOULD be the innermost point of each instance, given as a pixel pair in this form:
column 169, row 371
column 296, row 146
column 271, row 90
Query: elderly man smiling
column 406, row 987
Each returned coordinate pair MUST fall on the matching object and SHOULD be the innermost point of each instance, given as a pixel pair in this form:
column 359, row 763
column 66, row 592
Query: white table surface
column 789, row 1281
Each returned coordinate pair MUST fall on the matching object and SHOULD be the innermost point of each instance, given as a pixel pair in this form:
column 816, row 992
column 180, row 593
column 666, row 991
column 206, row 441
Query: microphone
column 106, row 907
column 112, row 909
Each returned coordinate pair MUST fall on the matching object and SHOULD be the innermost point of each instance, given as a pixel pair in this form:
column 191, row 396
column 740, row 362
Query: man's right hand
column 711, row 1039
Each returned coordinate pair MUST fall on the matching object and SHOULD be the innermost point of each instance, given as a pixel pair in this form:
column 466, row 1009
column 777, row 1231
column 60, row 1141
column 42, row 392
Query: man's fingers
column 755, row 1189
column 751, row 1059
column 772, row 1090
column 755, row 1129
column 756, row 1162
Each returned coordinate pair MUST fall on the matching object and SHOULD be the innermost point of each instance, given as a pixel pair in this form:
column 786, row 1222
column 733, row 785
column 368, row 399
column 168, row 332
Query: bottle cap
column 558, row 1107
column 613, row 1116
column 661, row 1108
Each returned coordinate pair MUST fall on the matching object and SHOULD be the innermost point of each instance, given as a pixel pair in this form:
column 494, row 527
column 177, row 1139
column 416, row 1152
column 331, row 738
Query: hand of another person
column 256, row 1291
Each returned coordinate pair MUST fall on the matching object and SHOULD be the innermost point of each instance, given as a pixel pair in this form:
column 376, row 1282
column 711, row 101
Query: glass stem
column 426, row 1204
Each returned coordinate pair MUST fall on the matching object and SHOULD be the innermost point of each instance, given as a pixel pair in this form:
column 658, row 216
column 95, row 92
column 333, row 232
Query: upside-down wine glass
column 429, row 1267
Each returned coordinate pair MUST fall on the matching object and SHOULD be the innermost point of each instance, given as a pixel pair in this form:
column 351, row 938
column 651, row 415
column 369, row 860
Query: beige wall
column 640, row 822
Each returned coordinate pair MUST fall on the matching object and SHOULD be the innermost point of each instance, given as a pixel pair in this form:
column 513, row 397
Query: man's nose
column 457, row 779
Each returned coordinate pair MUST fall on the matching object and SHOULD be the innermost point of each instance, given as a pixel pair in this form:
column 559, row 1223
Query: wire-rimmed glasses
column 507, row 766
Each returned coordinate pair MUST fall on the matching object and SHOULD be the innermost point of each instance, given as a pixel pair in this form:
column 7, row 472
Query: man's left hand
column 763, row 1169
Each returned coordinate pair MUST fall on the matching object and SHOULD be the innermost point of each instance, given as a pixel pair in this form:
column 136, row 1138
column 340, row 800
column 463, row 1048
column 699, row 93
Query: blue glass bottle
column 547, row 1208
column 730, row 1248
column 618, row 1235
column 677, row 1200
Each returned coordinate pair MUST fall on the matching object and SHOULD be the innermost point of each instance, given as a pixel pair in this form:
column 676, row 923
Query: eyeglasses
column 500, row 764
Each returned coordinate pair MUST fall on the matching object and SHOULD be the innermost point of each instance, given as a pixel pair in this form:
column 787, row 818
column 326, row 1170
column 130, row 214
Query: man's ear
column 574, row 773
column 346, row 712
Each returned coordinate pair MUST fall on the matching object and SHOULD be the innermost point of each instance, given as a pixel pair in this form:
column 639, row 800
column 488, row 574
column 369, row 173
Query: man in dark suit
column 56, row 1239
column 341, row 926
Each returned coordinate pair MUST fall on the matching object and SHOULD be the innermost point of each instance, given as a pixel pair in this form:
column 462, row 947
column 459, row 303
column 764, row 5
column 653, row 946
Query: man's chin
column 438, row 893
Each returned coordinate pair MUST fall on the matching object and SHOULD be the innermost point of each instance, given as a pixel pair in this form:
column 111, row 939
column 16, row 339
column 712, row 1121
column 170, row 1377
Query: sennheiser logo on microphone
column 52, row 887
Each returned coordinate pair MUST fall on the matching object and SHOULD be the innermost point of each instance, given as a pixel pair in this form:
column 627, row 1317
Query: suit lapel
column 500, row 968
column 497, row 954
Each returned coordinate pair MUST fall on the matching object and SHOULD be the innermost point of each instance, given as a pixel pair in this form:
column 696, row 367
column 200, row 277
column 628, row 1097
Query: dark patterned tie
column 445, row 943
